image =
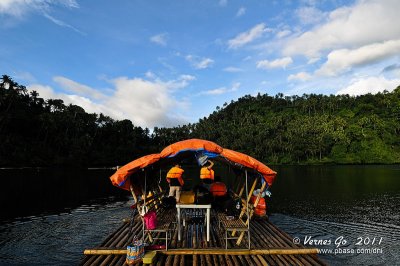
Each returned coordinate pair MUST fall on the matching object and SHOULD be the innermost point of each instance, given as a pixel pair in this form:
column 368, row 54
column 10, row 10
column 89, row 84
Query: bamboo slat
column 270, row 245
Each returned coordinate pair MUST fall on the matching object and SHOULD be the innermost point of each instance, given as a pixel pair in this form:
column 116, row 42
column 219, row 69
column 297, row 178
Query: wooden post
column 241, row 191
column 251, row 212
column 133, row 193
column 159, row 187
column 258, row 198
column 247, row 200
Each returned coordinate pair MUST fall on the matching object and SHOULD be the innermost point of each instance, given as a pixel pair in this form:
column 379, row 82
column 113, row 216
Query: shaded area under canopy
column 190, row 150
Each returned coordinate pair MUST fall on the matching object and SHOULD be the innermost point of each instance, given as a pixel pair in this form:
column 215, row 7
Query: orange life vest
column 206, row 174
column 218, row 189
column 261, row 208
column 175, row 172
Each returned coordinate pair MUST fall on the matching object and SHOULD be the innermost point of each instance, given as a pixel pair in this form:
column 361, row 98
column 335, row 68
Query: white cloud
column 187, row 77
column 301, row 76
column 221, row 90
column 241, row 11
column 235, row 86
column 277, row 63
column 247, row 36
column 312, row 60
column 217, row 91
column 24, row 75
column 310, row 15
column 366, row 22
column 47, row 92
column 199, row 62
column 62, row 23
column 77, row 88
column 20, row 8
column 232, row 69
column 160, row 39
column 14, row 7
column 179, row 83
column 370, row 85
column 344, row 59
column 150, row 75
column 146, row 103
column 283, row 33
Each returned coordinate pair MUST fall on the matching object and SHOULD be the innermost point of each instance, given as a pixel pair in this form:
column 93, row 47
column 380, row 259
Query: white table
column 180, row 206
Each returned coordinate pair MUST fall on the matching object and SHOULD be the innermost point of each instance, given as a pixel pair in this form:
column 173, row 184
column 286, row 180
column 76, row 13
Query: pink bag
column 150, row 220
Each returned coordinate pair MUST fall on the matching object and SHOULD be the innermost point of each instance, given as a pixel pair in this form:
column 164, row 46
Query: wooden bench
column 232, row 225
column 164, row 221
column 165, row 218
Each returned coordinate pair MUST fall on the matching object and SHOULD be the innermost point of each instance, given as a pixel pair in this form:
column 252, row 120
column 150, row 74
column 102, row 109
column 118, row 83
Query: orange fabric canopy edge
column 120, row 177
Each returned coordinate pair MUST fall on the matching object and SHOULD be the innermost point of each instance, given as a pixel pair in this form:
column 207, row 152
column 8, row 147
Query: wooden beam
column 105, row 251
column 241, row 191
column 241, row 252
column 251, row 211
column 247, row 200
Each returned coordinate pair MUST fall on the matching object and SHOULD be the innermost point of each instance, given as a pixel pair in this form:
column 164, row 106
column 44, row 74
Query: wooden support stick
column 242, row 252
column 251, row 212
column 248, row 199
column 241, row 191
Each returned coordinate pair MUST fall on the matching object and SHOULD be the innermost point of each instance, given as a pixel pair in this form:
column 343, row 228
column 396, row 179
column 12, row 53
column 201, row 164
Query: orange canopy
column 121, row 177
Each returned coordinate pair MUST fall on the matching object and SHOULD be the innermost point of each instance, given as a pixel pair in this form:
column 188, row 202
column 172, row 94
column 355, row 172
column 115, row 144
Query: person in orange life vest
column 207, row 174
column 174, row 178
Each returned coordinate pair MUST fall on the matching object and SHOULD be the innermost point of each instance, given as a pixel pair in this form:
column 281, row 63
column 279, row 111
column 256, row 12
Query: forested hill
column 287, row 130
column 309, row 129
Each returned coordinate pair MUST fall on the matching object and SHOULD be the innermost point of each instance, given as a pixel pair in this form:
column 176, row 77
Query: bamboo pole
column 273, row 251
column 262, row 241
column 176, row 261
column 182, row 262
column 251, row 211
column 247, row 201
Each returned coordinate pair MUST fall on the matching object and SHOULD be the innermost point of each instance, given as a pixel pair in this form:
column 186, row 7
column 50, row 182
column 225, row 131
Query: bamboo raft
column 229, row 239
column 269, row 246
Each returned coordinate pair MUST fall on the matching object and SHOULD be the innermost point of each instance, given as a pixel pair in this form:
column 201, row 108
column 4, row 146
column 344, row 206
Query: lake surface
column 358, row 203
column 50, row 216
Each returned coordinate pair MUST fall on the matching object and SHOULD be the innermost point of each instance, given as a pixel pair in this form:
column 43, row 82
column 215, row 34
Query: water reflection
column 26, row 192
column 386, row 238
column 356, row 202
column 60, row 239
column 366, row 194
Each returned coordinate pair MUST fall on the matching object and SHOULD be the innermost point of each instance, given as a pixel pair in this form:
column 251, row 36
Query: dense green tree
column 275, row 129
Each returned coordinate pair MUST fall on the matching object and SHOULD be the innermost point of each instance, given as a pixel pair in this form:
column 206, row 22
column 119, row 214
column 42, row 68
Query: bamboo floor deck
column 264, row 235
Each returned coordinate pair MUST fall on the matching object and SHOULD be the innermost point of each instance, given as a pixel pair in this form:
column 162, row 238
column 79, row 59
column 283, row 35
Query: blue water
column 60, row 239
column 355, row 204
column 321, row 202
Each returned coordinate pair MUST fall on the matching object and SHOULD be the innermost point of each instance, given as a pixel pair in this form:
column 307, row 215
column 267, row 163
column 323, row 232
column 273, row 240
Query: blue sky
column 165, row 63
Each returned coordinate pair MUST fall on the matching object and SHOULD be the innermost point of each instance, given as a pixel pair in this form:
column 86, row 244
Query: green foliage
column 35, row 132
column 281, row 130
column 310, row 129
